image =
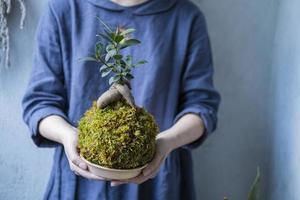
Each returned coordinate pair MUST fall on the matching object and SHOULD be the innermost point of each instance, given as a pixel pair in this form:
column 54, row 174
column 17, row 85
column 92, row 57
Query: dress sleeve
column 197, row 94
column 45, row 94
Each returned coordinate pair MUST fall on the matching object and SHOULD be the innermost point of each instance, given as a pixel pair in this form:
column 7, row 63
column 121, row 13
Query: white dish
column 113, row 174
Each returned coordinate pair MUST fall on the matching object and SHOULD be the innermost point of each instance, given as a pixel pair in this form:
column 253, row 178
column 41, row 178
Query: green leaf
column 110, row 47
column 122, row 63
column 106, row 37
column 107, row 57
column 254, row 192
column 118, row 57
column 98, row 49
column 141, row 63
column 128, row 60
column 119, row 38
column 103, row 67
column 127, row 31
column 107, row 52
column 129, row 76
column 105, row 72
column 104, row 24
column 130, row 42
column 110, row 54
column 123, row 41
column 86, row 59
column 112, row 35
column 114, row 79
column 117, row 31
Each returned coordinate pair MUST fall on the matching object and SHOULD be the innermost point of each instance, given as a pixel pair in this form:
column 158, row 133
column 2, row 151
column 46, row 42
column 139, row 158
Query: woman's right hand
column 77, row 165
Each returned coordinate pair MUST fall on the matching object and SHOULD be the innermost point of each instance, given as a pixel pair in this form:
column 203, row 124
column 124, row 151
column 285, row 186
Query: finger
column 76, row 160
column 137, row 180
column 143, row 179
column 117, row 183
column 84, row 173
column 153, row 165
column 140, row 179
column 74, row 157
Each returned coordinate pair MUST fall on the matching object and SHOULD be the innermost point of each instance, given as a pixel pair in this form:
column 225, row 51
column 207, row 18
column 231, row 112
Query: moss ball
column 117, row 136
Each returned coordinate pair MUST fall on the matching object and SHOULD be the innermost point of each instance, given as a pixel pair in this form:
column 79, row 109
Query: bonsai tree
column 108, row 55
column 114, row 132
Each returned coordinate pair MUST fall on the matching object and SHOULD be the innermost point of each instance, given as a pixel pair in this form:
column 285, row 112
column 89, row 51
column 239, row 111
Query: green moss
column 117, row 136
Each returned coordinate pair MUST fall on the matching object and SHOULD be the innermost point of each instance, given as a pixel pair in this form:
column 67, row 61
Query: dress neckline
column 145, row 8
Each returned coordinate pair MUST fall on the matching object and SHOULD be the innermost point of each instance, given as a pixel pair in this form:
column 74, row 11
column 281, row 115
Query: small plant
column 114, row 132
column 254, row 191
column 117, row 136
column 108, row 54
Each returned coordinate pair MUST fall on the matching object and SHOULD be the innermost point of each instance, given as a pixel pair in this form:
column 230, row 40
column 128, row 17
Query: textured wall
column 242, row 34
column 285, row 177
column 24, row 169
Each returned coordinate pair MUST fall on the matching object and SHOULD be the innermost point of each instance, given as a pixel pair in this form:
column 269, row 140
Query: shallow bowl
column 113, row 174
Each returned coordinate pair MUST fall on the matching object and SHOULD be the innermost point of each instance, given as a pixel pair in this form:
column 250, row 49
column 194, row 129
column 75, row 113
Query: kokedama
column 114, row 132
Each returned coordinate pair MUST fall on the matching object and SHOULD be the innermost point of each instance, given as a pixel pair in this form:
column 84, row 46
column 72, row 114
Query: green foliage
column 118, row 136
column 254, row 192
column 108, row 54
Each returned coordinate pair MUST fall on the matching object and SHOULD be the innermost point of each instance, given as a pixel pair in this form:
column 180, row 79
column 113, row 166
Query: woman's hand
column 57, row 129
column 187, row 129
column 77, row 165
column 163, row 148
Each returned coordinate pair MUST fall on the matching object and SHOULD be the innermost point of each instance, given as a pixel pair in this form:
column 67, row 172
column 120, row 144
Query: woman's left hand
column 163, row 148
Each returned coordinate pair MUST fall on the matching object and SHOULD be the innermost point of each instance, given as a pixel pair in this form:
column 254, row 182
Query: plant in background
column 114, row 132
column 5, row 9
column 254, row 191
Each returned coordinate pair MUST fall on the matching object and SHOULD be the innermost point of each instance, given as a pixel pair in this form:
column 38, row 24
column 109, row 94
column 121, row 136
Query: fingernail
column 146, row 172
column 113, row 184
column 82, row 166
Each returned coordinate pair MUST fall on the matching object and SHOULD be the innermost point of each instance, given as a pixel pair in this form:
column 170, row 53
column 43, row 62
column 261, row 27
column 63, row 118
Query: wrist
column 68, row 135
column 168, row 139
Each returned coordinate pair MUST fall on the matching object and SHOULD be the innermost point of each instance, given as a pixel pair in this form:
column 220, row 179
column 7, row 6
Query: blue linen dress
column 177, row 80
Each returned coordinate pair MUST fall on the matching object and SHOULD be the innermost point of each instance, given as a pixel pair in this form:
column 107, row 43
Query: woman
column 175, row 86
